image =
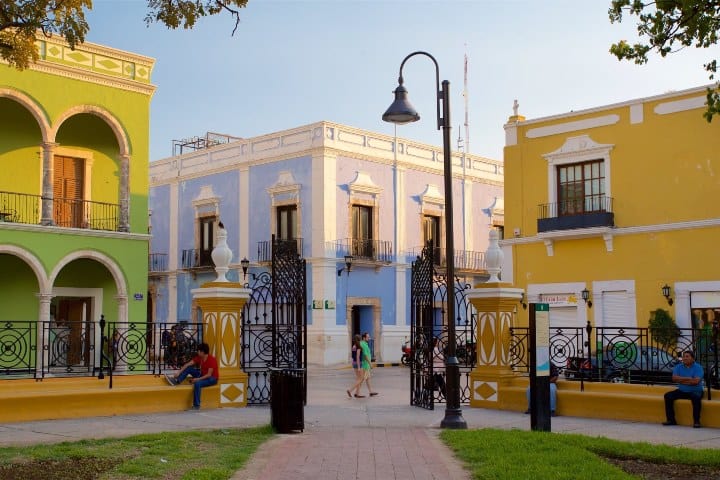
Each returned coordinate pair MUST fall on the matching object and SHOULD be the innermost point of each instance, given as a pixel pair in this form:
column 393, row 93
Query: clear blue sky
column 291, row 63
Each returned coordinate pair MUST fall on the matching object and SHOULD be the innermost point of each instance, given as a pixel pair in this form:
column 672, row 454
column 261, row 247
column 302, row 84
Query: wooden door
column 73, row 312
column 68, row 191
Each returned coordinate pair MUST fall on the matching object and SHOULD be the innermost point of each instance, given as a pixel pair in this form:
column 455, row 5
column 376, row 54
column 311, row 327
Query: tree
column 20, row 21
column 668, row 26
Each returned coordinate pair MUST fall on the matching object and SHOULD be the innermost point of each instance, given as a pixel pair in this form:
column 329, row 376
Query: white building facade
column 335, row 191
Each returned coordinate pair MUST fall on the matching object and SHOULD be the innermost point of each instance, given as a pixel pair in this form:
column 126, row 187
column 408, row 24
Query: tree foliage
column 20, row 20
column 670, row 25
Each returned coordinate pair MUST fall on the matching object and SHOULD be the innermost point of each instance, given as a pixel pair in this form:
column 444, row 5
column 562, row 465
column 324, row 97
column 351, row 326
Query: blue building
column 334, row 191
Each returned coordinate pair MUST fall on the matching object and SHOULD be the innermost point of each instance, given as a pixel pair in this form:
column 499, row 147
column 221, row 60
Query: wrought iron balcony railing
column 363, row 249
column 264, row 254
column 195, row 258
column 67, row 212
column 157, row 262
column 464, row 259
column 585, row 212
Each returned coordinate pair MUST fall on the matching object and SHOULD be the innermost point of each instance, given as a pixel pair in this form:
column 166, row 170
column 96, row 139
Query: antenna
column 465, row 94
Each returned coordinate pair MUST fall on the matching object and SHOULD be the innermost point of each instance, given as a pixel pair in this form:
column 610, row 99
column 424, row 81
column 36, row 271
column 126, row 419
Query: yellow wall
column 664, row 171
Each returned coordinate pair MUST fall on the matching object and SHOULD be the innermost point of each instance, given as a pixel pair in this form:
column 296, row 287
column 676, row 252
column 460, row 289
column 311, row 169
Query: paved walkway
column 371, row 438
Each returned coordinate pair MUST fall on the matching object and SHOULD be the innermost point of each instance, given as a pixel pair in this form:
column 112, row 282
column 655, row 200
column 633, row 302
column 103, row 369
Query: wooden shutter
column 68, row 191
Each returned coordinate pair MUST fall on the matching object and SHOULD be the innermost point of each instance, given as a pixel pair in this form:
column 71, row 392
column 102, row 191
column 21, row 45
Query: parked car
column 624, row 363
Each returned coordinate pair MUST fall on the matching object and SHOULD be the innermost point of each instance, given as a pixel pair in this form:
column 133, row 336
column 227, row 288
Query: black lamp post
column 244, row 264
column 400, row 112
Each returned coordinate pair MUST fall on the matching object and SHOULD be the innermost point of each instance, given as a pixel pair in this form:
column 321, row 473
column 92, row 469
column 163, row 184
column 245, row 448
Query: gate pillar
column 221, row 303
column 496, row 313
column 496, row 304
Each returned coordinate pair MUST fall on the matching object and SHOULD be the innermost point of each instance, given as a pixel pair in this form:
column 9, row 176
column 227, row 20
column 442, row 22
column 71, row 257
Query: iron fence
column 622, row 354
column 30, row 349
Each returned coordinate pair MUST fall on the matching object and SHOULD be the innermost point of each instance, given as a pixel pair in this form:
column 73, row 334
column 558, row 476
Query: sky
column 295, row 62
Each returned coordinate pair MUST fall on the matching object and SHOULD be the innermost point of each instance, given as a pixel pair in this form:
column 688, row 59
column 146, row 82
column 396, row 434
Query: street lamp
column 400, row 112
column 348, row 265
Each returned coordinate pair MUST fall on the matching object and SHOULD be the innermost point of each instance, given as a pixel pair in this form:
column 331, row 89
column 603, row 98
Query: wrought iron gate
column 429, row 323
column 275, row 321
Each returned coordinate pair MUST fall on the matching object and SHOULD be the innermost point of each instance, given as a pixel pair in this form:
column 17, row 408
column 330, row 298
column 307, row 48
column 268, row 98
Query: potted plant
column 663, row 328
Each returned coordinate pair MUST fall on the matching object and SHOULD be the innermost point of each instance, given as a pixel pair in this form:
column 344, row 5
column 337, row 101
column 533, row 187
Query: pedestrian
column 689, row 377
column 203, row 370
column 357, row 366
column 366, row 363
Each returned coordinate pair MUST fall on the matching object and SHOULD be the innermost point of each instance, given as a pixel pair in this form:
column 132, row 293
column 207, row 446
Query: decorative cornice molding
column 573, row 126
column 362, row 183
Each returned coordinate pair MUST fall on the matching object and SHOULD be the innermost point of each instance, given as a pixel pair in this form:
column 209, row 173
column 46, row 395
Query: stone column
column 124, row 223
column 496, row 304
column 43, row 316
column 46, row 214
column 221, row 303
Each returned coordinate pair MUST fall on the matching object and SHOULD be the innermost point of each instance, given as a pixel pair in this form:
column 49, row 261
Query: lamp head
column 348, row 262
column 666, row 294
column 586, row 296
column 401, row 111
column 244, row 263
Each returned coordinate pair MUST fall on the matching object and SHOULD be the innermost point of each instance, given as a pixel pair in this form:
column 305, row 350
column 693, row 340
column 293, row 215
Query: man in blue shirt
column 689, row 377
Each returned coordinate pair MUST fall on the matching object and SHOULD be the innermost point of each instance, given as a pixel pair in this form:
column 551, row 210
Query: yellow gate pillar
column 496, row 305
column 221, row 303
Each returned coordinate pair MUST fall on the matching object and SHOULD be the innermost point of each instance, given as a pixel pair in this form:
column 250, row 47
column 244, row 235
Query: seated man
column 689, row 377
column 553, row 391
column 203, row 369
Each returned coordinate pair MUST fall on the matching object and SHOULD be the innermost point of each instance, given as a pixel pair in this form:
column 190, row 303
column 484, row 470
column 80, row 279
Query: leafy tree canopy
column 20, row 20
column 670, row 25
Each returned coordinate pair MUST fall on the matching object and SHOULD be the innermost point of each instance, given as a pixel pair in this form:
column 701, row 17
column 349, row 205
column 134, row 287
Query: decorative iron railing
column 363, row 249
column 19, row 207
column 624, row 355
column 576, row 206
column 157, row 262
column 74, row 213
column 464, row 259
column 30, row 349
column 265, row 248
column 195, row 258
column 67, row 212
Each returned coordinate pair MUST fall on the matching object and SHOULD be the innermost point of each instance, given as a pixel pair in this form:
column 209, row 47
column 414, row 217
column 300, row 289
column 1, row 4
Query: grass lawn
column 197, row 455
column 501, row 454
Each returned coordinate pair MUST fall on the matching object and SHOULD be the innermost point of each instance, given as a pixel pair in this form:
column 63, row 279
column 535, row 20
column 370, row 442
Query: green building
column 74, row 131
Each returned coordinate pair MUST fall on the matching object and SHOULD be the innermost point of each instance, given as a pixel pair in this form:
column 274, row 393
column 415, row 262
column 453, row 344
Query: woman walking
column 357, row 367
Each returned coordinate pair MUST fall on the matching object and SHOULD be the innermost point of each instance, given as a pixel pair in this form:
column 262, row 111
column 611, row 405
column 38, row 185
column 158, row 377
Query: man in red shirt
column 203, row 370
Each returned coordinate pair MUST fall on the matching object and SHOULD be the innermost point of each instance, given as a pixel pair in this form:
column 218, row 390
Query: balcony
column 157, row 263
column 373, row 251
column 466, row 261
column 67, row 213
column 590, row 211
column 196, row 259
column 264, row 255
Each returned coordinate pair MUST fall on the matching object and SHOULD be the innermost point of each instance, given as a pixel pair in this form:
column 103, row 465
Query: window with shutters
column 431, row 232
column 581, row 188
column 68, row 188
column 362, row 231
column 207, row 240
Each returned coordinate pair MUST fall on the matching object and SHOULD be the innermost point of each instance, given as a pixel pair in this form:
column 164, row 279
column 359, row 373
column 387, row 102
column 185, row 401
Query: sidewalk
column 379, row 437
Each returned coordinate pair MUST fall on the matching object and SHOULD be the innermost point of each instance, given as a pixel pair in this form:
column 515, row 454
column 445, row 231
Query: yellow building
column 619, row 200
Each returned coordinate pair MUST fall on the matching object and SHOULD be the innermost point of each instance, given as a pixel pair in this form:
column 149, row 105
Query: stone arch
column 32, row 107
column 108, row 262
column 109, row 118
column 33, row 262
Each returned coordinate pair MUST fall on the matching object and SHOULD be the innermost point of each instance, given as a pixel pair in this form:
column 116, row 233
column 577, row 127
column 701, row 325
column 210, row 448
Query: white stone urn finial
column 494, row 257
column 221, row 254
